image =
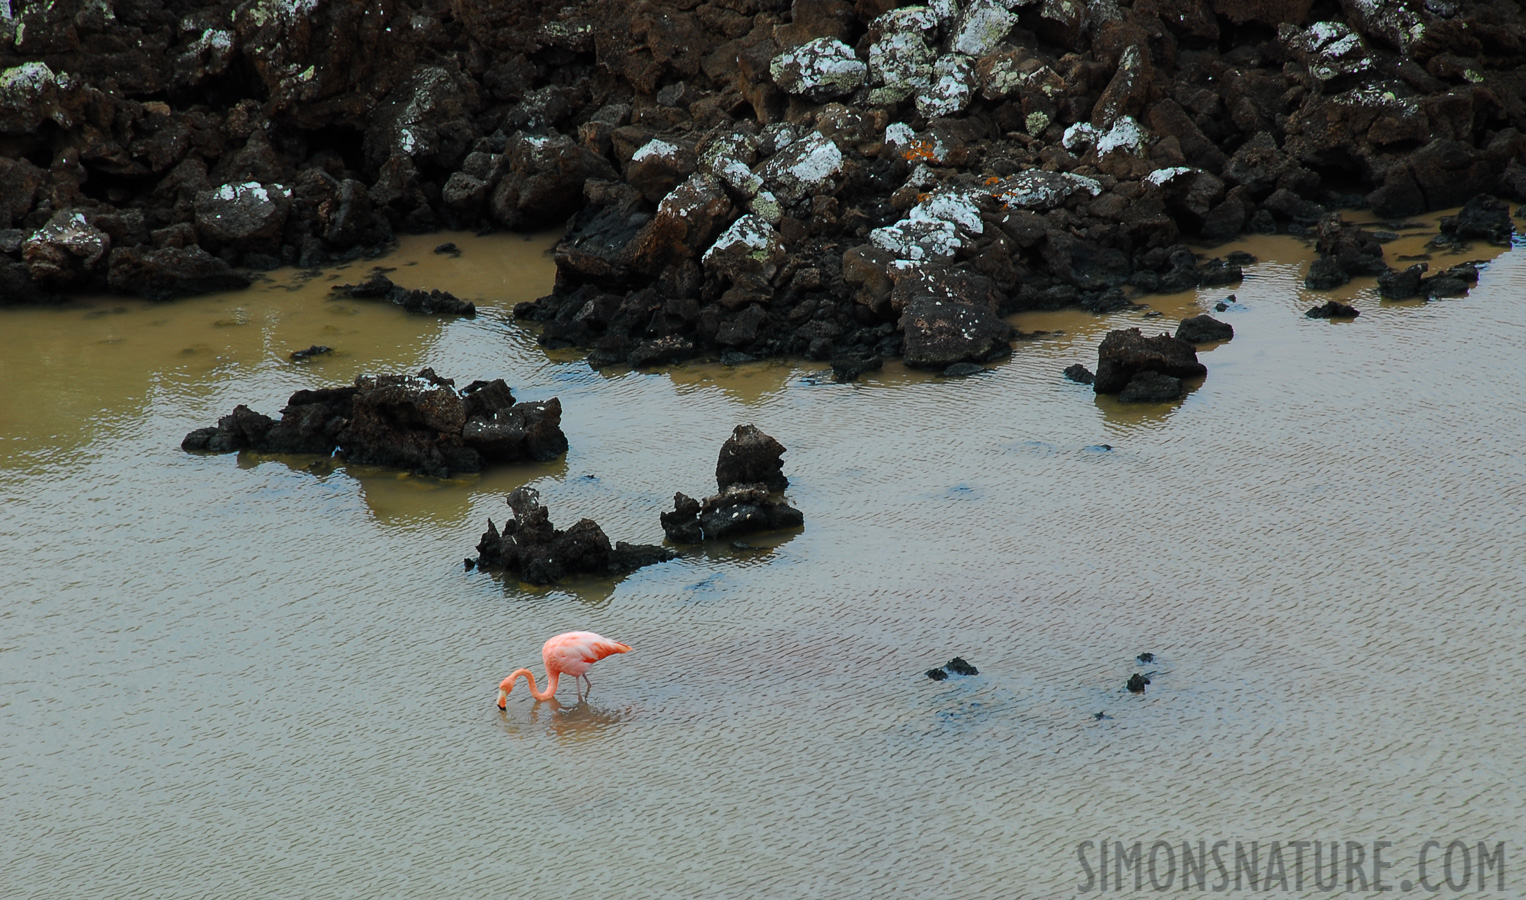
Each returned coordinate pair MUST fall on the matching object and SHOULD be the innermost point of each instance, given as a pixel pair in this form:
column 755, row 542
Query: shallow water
column 237, row 676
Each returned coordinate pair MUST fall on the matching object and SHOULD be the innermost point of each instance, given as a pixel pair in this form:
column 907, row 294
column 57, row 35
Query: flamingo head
column 503, row 692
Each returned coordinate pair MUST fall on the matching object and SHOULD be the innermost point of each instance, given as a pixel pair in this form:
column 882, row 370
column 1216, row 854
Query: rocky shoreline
column 845, row 181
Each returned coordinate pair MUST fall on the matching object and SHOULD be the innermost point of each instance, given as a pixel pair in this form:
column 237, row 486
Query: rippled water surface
column 256, row 677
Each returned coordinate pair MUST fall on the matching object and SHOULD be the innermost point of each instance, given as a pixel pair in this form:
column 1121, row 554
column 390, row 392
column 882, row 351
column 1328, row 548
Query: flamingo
column 574, row 653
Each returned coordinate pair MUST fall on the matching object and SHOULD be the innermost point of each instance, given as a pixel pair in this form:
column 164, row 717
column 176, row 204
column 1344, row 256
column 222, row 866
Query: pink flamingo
column 573, row 653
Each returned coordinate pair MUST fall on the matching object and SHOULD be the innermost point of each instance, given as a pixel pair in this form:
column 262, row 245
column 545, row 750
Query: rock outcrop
column 419, row 423
column 530, row 547
column 756, row 177
column 1126, row 356
column 750, row 476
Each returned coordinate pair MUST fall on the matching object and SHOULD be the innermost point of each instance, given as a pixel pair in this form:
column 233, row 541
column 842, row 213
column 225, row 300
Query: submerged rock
column 958, row 666
column 1333, row 309
column 418, row 423
column 1151, row 387
column 532, row 548
column 1136, row 683
column 434, row 302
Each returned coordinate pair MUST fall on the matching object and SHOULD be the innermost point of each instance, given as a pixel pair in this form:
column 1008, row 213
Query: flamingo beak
column 503, row 697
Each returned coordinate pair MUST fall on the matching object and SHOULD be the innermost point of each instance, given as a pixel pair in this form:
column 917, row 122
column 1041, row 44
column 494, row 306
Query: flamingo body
column 572, row 653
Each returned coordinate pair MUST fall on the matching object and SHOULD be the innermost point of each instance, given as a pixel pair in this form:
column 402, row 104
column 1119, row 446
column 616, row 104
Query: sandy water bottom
column 245, row 676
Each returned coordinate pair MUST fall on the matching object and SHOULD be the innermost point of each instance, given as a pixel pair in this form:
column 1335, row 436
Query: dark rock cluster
column 539, row 553
column 955, row 666
column 750, row 476
column 1143, row 370
column 419, row 423
column 434, row 302
column 847, row 180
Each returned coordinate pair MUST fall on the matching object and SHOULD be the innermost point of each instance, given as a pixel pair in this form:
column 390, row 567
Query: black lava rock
column 1204, row 329
column 1325, row 274
column 1136, row 684
column 1151, row 387
column 1079, row 374
column 958, row 666
column 1333, row 310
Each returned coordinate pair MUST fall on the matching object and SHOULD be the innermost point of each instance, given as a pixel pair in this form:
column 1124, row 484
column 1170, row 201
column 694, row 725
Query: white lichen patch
column 907, row 19
column 1039, row 190
column 1036, row 122
column 918, row 239
column 953, row 85
column 1126, row 136
column 803, row 168
column 1160, row 177
column 980, row 27
column 750, row 244
column 818, row 69
column 1079, row 137
column 1329, row 49
column 655, row 148
column 935, row 229
column 902, row 64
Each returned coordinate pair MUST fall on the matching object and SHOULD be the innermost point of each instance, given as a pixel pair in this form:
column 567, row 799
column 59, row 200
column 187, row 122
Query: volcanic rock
column 539, row 553
column 1333, row 309
column 1484, row 217
column 419, row 423
column 1204, row 329
column 1124, row 353
column 433, row 302
column 751, row 457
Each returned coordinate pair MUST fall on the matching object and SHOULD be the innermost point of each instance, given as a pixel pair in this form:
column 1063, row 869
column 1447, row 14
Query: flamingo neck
column 551, row 679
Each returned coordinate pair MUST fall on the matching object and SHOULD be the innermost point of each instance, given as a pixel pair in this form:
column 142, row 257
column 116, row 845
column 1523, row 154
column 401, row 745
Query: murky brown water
column 241, row 677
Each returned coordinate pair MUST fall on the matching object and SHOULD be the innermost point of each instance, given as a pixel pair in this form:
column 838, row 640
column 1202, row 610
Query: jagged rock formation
column 420, row 423
column 749, row 475
column 532, row 548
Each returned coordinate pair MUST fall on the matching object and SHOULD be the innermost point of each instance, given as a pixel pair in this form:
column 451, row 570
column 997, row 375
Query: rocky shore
column 842, row 180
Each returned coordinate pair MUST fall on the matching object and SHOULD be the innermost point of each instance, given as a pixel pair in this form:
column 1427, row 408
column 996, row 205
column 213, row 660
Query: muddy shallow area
column 269, row 676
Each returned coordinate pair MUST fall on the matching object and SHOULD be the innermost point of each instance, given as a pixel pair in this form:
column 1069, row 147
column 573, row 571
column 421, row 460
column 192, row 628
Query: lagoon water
column 250, row 677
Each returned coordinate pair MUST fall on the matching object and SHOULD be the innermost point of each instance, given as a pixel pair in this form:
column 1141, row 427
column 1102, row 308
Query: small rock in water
column 847, row 368
column 1079, row 374
column 1099, row 716
column 963, row 370
column 1239, row 258
column 469, row 563
column 1137, row 683
column 1333, row 309
column 937, row 674
column 314, row 350
column 1146, row 657
column 448, row 247
column 958, row 666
